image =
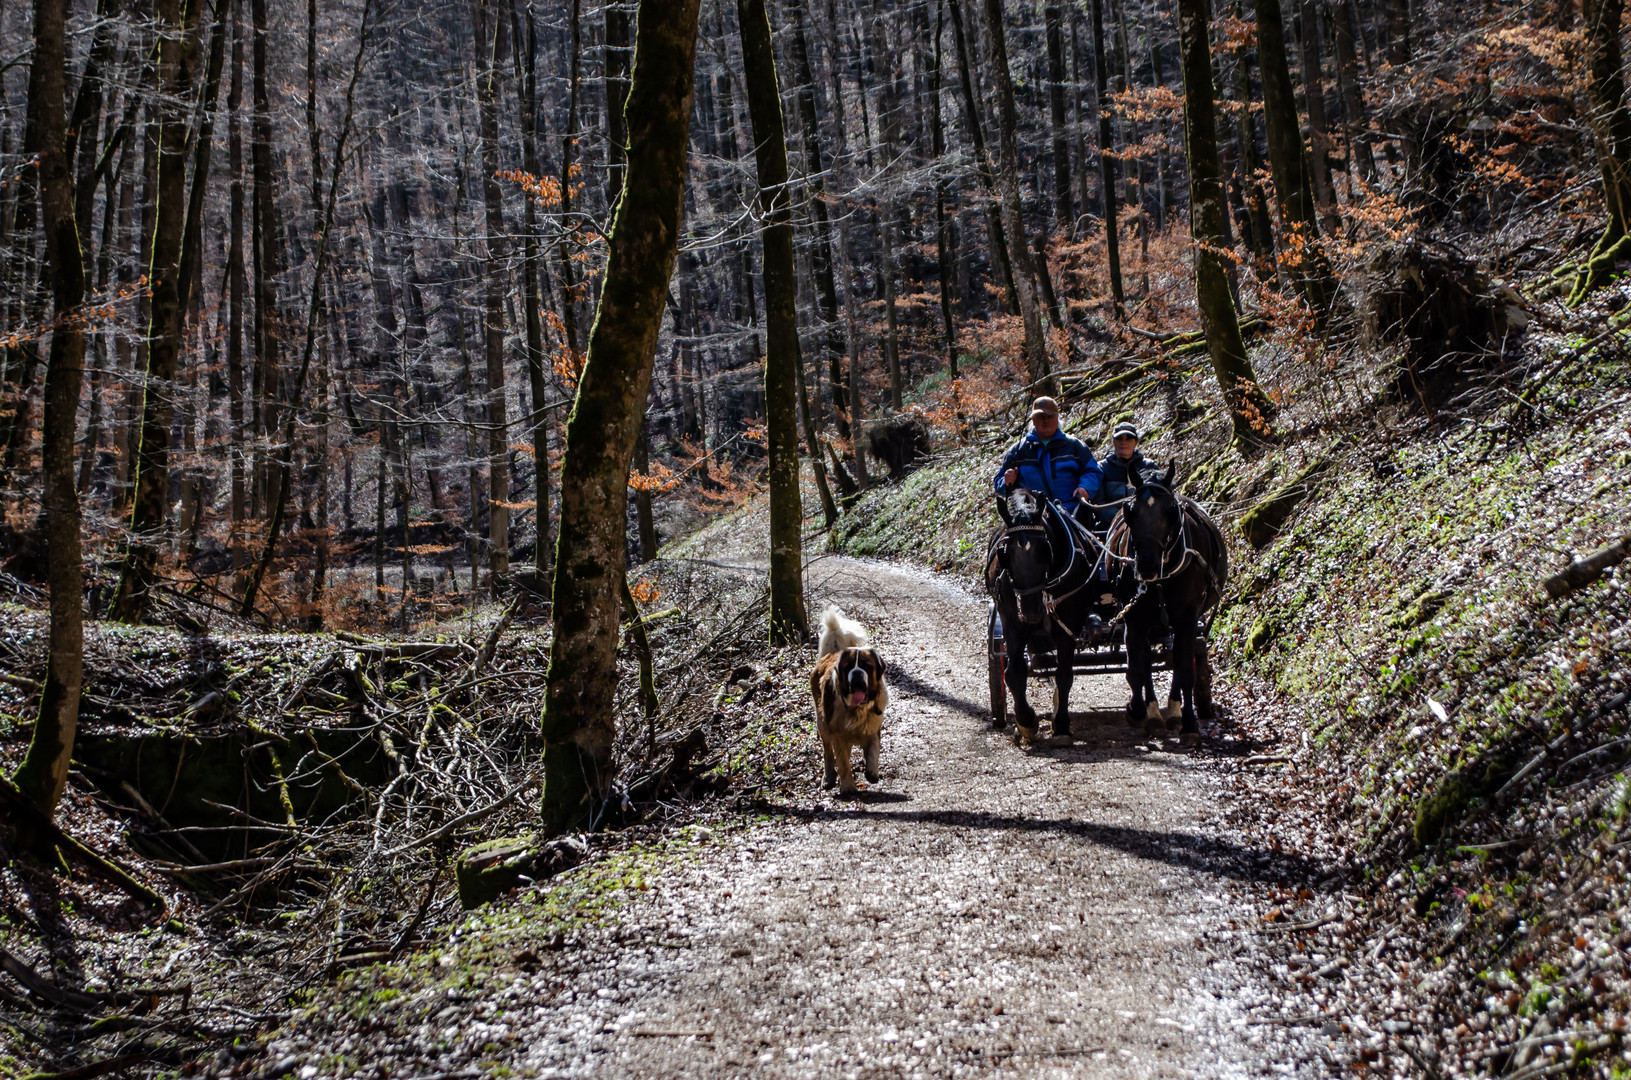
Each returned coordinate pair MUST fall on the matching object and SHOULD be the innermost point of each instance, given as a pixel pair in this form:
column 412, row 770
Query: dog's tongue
column 858, row 698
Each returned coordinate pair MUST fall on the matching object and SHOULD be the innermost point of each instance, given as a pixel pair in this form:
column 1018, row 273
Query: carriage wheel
column 999, row 693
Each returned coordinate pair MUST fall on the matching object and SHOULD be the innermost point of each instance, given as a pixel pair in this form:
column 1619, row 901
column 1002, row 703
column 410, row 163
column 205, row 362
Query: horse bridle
column 1179, row 543
column 1049, row 601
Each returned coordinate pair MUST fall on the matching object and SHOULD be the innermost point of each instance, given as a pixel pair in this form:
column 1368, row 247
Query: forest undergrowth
column 297, row 802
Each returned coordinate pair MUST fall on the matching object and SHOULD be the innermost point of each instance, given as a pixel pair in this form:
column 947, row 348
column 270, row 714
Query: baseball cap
column 1125, row 428
column 1045, row 406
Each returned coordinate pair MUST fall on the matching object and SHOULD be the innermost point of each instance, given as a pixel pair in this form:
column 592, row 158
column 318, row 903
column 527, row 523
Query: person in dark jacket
column 1119, row 467
column 1048, row 461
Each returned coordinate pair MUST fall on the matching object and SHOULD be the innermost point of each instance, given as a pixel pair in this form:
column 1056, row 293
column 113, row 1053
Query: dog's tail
column 838, row 632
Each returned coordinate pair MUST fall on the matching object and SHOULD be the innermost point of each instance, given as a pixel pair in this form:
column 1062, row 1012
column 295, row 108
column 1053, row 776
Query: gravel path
column 982, row 911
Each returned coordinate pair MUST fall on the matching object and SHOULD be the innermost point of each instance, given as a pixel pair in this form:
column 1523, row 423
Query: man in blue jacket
column 1048, row 461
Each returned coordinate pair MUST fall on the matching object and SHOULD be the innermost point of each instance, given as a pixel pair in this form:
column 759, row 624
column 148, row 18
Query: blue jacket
column 1118, row 474
column 1056, row 467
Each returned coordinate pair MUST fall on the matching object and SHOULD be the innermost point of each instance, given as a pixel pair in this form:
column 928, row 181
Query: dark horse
column 1038, row 571
column 1174, row 568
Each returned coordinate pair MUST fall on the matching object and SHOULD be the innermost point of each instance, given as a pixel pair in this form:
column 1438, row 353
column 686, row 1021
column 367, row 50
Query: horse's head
column 1025, row 551
column 1154, row 522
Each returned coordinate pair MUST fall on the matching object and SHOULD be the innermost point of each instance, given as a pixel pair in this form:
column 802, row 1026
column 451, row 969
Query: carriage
column 1101, row 647
column 1100, row 650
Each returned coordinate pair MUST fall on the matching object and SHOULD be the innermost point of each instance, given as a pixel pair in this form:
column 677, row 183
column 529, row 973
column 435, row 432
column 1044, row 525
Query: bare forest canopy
column 388, row 221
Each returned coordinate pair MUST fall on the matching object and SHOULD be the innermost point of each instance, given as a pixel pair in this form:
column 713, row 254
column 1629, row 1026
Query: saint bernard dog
column 850, row 697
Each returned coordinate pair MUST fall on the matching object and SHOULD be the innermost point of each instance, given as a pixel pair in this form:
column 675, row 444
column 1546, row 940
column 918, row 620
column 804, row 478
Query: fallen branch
column 424, row 650
column 466, row 819
column 1583, row 571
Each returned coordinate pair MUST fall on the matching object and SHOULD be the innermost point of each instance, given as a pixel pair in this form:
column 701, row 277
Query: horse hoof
column 1174, row 723
column 1024, row 736
column 1154, row 727
column 1060, row 740
column 1189, row 740
column 998, row 725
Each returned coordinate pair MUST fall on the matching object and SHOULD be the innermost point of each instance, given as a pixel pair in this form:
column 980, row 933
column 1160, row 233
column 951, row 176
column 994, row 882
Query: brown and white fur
column 850, row 697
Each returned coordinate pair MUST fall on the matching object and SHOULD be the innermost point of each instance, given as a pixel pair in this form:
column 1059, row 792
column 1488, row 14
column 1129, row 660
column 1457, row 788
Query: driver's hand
column 1011, row 477
column 1081, row 493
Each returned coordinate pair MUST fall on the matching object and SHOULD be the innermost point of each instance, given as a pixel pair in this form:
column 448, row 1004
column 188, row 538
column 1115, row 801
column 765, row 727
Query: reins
column 1049, row 601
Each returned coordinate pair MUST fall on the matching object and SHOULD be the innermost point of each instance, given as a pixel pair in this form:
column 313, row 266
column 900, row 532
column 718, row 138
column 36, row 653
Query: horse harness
column 1050, row 600
column 1180, row 547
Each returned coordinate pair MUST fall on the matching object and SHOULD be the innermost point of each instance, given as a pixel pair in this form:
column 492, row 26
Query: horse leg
column 1183, row 678
column 1063, row 678
column 1138, row 664
column 1019, row 670
column 1135, row 684
column 1203, row 680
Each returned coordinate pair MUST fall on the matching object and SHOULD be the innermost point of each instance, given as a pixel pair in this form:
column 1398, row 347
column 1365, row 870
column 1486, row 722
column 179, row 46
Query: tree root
column 1598, row 268
column 49, row 842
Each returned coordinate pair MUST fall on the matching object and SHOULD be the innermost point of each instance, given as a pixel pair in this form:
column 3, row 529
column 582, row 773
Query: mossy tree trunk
column 45, row 767
column 789, row 622
column 147, row 512
column 1611, row 130
column 1288, row 161
column 1249, row 408
column 578, row 724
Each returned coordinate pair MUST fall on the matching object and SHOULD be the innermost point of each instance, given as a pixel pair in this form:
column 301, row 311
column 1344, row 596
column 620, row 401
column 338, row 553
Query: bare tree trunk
column 1261, row 231
column 945, row 258
column 1308, row 33
column 237, row 286
column 789, row 622
column 1056, row 110
column 1292, row 187
column 266, row 258
column 537, row 374
column 1249, row 408
column 1107, row 168
column 148, row 509
column 579, row 726
column 1353, row 95
column 821, row 257
column 494, row 43
column 323, row 227
column 643, row 516
column 1002, row 275
column 1013, row 217
column 615, row 66
column 44, row 770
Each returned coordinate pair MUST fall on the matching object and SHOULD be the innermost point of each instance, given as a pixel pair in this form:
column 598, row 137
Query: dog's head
column 859, row 673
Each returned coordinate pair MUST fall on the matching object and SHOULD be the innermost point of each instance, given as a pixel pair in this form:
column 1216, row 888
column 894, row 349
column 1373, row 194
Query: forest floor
column 1097, row 909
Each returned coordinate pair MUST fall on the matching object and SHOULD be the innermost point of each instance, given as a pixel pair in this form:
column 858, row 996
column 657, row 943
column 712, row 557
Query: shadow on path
column 1204, row 854
column 911, row 684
